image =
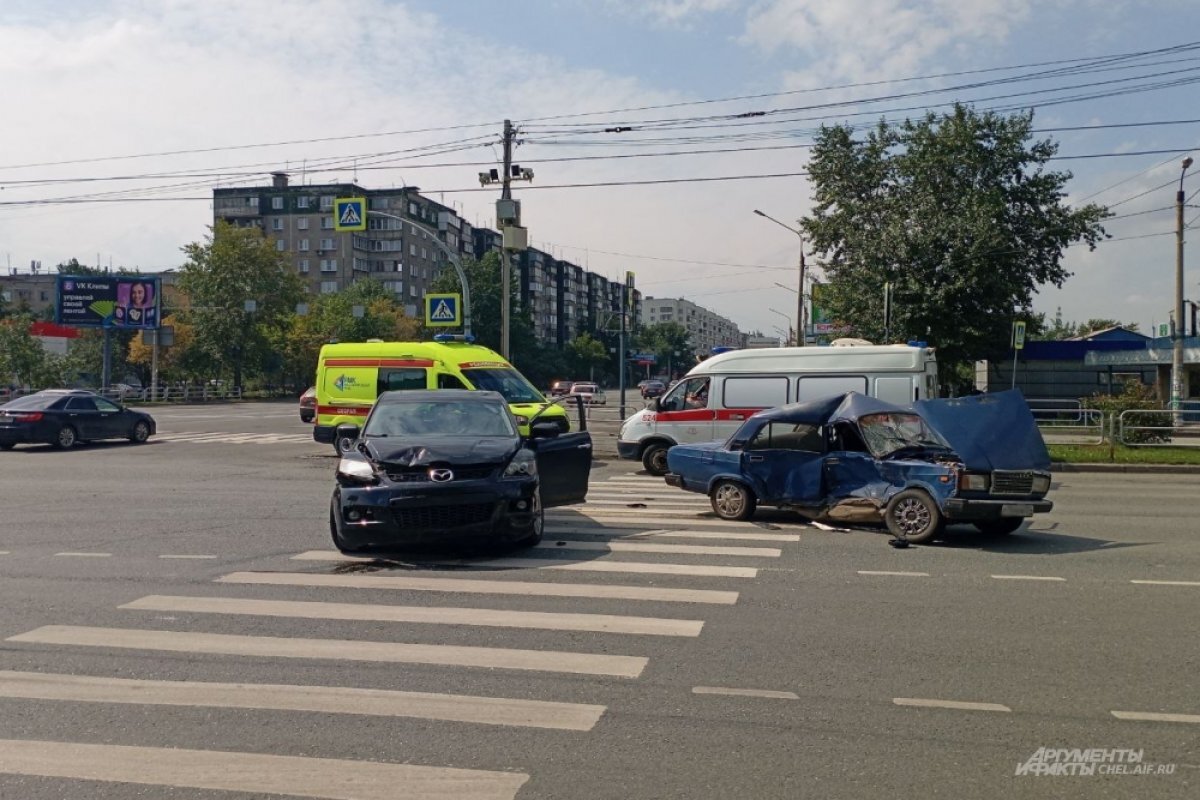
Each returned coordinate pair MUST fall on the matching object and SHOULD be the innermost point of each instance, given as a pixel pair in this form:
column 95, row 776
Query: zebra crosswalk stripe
column 482, row 586
column 253, row 773
column 484, row 617
column 593, row 565
column 336, row 650
column 652, row 547
column 512, row 712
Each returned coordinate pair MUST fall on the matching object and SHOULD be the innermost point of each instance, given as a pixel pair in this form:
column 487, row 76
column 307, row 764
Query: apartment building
column 397, row 248
column 34, row 290
column 707, row 329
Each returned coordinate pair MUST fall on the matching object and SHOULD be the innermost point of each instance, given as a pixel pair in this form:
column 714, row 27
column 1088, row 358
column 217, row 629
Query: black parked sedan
column 432, row 467
column 66, row 417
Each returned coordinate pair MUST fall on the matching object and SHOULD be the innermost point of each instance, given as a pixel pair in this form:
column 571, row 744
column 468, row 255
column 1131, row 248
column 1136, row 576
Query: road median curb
column 1167, row 469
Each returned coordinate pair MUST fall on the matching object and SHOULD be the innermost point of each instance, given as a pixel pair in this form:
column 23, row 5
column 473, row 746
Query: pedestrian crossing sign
column 443, row 310
column 350, row 214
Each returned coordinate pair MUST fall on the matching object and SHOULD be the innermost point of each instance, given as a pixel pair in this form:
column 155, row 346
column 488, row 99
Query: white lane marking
column 1028, row 578
column 183, row 556
column 337, row 650
column 889, row 572
column 283, row 697
column 1168, row 583
column 637, row 518
column 646, row 506
column 745, row 692
column 325, row 778
column 84, row 555
column 665, row 533
column 484, row 617
column 616, row 510
column 650, row 547
column 554, row 563
column 1150, row 716
column 5, row 552
column 954, row 704
column 471, row 586
column 629, row 566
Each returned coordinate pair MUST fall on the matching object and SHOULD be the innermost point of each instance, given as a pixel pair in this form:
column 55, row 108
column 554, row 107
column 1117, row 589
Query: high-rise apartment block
column 563, row 299
column 705, row 328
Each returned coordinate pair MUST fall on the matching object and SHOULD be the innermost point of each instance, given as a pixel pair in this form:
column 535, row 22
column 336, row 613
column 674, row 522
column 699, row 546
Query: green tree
column 957, row 212
column 540, row 363
column 330, row 318
column 666, row 340
column 234, row 265
column 23, row 361
column 586, row 354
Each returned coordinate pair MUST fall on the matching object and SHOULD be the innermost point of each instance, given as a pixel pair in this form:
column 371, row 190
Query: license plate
column 1016, row 510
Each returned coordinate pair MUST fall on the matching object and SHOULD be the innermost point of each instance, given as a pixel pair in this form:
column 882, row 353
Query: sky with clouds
column 146, row 105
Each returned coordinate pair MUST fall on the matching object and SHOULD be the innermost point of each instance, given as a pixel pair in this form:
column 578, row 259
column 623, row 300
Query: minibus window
column 818, row 386
column 756, row 392
column 447, row 381
column 391, row 380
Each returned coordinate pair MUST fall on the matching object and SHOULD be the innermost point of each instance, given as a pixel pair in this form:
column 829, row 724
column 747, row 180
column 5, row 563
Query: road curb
column 1164, row 469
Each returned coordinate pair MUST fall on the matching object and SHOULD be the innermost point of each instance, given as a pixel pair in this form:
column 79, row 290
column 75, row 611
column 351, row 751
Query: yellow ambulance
column 351, row 375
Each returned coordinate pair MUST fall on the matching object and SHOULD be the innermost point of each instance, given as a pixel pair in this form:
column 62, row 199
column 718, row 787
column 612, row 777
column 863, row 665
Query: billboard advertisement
column 108, row 301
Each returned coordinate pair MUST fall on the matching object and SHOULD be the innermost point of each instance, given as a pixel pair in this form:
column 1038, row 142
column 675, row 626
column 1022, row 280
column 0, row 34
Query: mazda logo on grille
column 440, row 475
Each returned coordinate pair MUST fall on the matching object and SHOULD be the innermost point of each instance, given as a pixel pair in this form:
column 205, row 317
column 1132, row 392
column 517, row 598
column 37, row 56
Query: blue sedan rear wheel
column 732, row 500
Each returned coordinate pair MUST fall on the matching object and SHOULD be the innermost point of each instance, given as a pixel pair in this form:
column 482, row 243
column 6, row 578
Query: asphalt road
column 177, row 626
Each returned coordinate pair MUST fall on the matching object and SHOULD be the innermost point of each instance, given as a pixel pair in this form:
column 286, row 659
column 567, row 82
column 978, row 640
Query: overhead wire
column 858, row 85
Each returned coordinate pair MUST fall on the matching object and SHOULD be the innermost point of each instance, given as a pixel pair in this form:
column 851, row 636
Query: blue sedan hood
column 701, row 445
column 989, row 431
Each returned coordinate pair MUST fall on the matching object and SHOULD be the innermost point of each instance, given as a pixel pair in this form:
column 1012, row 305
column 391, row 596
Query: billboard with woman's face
column 104, row 301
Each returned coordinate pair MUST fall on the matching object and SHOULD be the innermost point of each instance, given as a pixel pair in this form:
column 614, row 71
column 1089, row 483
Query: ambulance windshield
column 506, row 381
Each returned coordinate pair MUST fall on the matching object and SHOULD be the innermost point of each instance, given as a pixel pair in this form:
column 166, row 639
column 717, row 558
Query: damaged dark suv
column 436, row 467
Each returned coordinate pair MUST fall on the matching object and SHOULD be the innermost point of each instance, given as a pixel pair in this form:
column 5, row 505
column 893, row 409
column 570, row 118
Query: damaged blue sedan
column 853, row 458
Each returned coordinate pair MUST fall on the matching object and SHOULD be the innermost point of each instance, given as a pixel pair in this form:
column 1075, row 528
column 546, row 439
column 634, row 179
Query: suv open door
column 564, row 460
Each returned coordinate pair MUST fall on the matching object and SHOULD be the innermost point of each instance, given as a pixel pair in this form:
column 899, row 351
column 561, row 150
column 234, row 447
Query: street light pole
column 801, row 322
column 789, row 323
column 1178, row 329
column 454, row 261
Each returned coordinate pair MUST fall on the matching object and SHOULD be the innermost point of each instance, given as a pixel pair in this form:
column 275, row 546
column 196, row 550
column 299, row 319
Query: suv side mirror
column 347, row 431
column 543, row 430
column 655, row 405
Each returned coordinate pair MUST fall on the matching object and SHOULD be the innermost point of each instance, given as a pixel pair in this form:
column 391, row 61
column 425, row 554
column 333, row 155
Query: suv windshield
column 507, row 382
column 444, row 418
column 886, row 434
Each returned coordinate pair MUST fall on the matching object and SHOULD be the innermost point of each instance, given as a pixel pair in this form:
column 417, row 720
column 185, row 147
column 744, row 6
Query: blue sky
column 133, row 77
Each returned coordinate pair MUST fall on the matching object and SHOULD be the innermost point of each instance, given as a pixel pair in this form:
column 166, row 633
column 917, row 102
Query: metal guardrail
column 1133, row 425
column 1071, row 425
column 166, row 394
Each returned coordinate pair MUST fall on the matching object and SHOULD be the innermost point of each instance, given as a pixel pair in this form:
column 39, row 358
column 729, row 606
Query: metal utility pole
column 802, row 327
column 505, row 257
column 508, row 220
column 1178, row 330
column 621, row 347
column 801, row 322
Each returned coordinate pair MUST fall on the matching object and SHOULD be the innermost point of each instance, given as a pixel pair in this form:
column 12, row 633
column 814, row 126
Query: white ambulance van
column 719, row 394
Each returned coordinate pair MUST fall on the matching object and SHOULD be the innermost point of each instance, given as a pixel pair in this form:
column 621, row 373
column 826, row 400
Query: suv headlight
column 523, row 465
column 353, row 470
column 1041, row 484
column 974, row 482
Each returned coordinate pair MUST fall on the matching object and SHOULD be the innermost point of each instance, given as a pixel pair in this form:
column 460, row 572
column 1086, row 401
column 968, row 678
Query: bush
column 1133, row 397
